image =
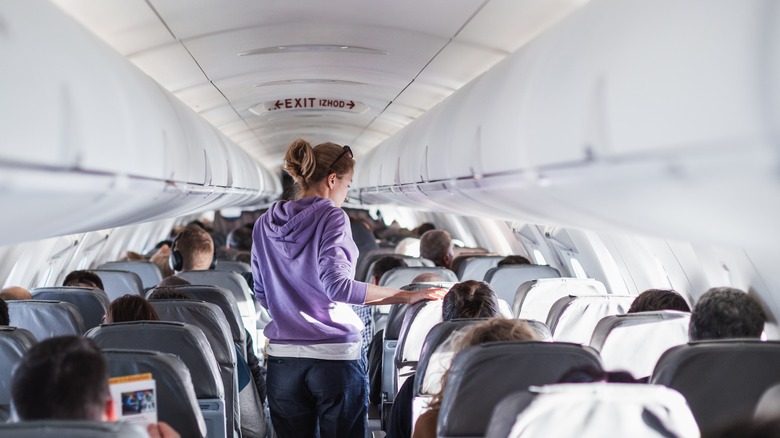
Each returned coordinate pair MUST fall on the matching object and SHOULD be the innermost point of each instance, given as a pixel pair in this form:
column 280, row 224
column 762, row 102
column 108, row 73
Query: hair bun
column 299, row 161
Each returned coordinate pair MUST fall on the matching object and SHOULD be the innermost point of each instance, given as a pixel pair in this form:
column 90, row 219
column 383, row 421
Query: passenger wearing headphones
column 192, row 250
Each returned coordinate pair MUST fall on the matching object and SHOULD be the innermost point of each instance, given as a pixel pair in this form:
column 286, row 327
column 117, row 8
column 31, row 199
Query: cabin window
column 577, row 268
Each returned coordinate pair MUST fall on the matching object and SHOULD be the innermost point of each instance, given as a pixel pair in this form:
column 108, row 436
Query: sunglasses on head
column 347, row 151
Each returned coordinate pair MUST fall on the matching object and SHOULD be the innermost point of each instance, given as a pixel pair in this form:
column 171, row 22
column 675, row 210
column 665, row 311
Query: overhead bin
column 87, row 138
column 623, row 116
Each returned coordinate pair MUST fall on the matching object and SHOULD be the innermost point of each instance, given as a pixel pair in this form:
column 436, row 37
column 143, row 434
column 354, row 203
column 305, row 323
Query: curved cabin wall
column 89, row 142
column 657, row 118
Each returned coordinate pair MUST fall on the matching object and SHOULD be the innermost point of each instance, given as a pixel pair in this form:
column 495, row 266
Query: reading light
column 302, row 48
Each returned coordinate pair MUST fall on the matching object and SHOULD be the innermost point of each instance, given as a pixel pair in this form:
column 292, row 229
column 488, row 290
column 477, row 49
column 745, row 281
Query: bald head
column 436, row 246
column 428, row 277
column 15, row 293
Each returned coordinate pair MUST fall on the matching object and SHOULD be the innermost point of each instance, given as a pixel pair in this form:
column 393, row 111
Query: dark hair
column 61, row 378
column 173, row 280
column 658, row 299
column 425, row 227
column 4, row 318
column 131, row 308
column 470, row 299
column 589, row 374
column 240, row 238
column 514, row 260
column 725, row 312
column 167, row 293
column 83, row 279
column 385, row 264
column 435, row 245
column 195, row 247
column 311, row 165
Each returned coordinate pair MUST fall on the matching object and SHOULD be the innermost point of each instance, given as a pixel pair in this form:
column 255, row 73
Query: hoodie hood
column 290, row 225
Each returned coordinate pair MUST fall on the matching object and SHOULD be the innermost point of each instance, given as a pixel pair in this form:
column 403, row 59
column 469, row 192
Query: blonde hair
column 310, row 165
column 492, row 330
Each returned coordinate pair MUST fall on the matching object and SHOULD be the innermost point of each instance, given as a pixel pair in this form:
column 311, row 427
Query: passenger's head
column 424, row 228
column 514, row 260
column 4, row 318
column 436, row 246
column 167, row 293
column 15, row 293
column 193, row 250
column 240, row 238
column 326, row 166
column 470, row 299
column 83, row 279
column 658, row 299
column 588, row 374
column 723, row 313
column 131, row 308
column 63, row 378
column 173, row 280
column 385, row 264
column 428, row 277
column 161, row 258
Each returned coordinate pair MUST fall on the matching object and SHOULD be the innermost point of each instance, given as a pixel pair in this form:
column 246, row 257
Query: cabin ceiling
column 392, row 60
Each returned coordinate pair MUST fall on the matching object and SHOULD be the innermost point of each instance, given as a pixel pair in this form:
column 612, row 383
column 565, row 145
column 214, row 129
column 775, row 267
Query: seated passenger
column 193, row 250
column 724, row 313
column 467, row 299
column 66, row 378
column 513, row 260
column 83, row 279
column 15, row 293
column 428, row 277
column 160, row 258
column 658, row 299
column 591, row 375
column 492, row 330
column 385, row 264
column 436, row 246
column 172, row 280
column 130, row 308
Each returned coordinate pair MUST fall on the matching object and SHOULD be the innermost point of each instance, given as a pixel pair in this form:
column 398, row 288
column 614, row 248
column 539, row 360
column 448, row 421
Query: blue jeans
column 317, row 398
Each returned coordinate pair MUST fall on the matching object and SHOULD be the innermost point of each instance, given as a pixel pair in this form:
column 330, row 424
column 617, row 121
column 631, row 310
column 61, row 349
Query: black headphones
column 176, row 260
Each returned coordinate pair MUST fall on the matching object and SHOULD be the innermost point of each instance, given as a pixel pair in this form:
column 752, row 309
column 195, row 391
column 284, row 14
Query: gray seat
column 92, row 303
column 14, row 342
column 236, row 284
column 506, row 279
column 233, row 266
column 120, row 283
column 481, row 376
column 72, row 429
column 210, row 319
column 177, row 404
column 46, row 319
column 224, row 299
column 722, row 380
column 183, row 340
column 148, row 272
column 398, row 277
column 615, row 337
column 419, row 319
column 475, row 267
column 534, row 299
column 365, row 261
column 590, row 410
column 573, row 318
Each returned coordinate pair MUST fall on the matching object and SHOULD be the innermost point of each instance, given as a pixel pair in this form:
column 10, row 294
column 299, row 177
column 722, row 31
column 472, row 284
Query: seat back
column 506, row 279
column 14, row 342
column 236, row 284
column 46, row 319
column 395, row 320
column 177, row 404
column 224, row 299
column 593, row 410
column 573, row 318
column 91, row 303
column 418, row 321
column 475, row 267
column 72, row 429
column 404, row 275
column 634, row 342
column 722, row 380
column 482, row 375
column 233, row 266
column 365, row 261
column 120, row 283
column 534, row 299
column 148, row 272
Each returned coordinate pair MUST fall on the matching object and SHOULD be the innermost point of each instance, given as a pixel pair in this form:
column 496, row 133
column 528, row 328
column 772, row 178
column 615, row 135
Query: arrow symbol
column 278, row 104
column 351, row 104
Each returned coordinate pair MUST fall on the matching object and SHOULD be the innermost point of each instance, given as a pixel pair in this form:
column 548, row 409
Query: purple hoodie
column 303, row 260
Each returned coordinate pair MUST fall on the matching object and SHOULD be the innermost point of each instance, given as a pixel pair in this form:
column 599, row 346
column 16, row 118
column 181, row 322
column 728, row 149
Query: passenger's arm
column 378, row 295
column 161, row 430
